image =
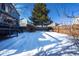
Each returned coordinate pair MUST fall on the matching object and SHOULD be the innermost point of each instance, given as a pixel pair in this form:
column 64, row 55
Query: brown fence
column 67, row 29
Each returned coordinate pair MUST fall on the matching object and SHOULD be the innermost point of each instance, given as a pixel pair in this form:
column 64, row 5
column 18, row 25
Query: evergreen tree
column 40, row 14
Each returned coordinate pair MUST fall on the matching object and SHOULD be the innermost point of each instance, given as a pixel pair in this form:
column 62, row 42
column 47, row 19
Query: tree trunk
column 42, row 24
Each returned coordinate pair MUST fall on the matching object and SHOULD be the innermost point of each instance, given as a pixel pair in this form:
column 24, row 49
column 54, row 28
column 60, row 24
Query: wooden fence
column 68, row 29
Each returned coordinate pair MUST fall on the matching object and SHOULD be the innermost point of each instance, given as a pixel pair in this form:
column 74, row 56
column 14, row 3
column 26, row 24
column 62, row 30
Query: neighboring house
column 75, row 21
column 53, row 24
column 26, row 25
column 9, row 14
column 22, row 23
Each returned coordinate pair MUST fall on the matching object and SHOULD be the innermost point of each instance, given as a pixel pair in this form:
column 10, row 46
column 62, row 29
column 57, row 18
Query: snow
column 38, row 43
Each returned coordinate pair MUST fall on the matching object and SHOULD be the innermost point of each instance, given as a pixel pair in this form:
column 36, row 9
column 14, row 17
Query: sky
column 57, row 11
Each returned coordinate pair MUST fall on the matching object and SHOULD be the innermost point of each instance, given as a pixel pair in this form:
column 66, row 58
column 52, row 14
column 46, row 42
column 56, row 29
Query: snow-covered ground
column 39, row 43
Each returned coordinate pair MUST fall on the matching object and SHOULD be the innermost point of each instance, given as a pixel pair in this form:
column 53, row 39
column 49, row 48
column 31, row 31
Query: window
column 3, row 6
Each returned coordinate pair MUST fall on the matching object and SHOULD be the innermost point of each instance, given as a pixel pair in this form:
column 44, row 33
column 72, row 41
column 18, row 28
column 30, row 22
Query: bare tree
column 73, row 28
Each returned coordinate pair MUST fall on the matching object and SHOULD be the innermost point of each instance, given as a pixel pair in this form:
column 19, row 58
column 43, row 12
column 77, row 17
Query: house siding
column 9, row 14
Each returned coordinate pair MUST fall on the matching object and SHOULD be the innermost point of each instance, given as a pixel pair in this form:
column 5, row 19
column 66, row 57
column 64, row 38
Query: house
column 22, row 23
column 9, row 17
column 52, row 24
column 8, row 14
column 76, row 21
column 26, row 25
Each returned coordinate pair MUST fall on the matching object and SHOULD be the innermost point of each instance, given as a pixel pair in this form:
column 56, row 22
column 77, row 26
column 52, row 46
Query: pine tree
column 40, row 14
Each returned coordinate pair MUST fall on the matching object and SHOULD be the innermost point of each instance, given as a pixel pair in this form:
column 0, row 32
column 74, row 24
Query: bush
column 31, row 28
